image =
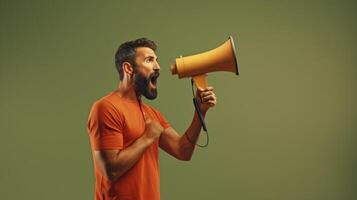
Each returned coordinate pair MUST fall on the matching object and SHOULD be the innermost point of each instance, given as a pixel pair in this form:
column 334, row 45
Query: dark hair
column 126, row 52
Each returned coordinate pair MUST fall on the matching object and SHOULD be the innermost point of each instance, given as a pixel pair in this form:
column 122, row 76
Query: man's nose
column 157, row 66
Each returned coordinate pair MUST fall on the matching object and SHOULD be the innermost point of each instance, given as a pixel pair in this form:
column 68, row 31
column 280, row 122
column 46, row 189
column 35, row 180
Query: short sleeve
column 105, row 126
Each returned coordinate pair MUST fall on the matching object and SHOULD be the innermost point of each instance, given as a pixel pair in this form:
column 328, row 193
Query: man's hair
column 126, row 53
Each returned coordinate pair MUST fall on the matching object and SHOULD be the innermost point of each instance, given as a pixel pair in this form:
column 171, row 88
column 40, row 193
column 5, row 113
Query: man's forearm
column 127, row 157
column 189, row 139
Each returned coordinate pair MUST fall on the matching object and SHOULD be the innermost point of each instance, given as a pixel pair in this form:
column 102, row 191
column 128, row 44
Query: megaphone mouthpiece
column 173, row 69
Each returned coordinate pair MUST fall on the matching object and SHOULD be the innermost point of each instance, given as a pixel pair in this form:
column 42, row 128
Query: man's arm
column 114, row 163
column 178, row 145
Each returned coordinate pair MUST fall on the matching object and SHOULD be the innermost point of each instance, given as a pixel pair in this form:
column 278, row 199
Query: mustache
column 154, row 74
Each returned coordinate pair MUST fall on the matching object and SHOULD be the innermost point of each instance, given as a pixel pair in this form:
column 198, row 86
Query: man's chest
column 134, row 123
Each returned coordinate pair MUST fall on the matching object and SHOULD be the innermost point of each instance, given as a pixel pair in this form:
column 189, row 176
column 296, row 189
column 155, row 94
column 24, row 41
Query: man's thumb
column 148, row 120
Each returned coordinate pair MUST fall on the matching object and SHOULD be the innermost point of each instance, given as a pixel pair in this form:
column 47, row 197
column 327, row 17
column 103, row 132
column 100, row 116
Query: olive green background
column 285, row 129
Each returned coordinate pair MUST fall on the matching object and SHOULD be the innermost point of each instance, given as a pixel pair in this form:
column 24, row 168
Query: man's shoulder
column 107, row 102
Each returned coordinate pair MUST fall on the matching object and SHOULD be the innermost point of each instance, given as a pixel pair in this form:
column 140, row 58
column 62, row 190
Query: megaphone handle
column 200, row 81
column 200, row 117
column 199, row 114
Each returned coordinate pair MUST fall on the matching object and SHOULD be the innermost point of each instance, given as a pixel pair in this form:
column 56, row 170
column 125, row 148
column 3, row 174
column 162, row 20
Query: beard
column 142, row 85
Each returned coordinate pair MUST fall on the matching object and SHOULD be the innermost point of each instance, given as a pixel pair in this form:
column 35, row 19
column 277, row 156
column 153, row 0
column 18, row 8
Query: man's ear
column 127, row 68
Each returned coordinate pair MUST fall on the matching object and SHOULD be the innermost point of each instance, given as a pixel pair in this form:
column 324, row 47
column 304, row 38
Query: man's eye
column 148, row 60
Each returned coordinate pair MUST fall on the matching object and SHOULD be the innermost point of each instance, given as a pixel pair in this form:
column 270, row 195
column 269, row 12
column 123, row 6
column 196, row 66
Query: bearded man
column 125, row 133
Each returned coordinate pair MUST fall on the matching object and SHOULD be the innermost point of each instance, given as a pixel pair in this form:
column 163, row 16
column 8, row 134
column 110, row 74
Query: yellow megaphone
column 222, row 58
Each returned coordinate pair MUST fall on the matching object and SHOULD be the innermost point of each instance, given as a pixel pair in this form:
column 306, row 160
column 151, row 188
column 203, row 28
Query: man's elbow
column 184, row 157
column 111, row 175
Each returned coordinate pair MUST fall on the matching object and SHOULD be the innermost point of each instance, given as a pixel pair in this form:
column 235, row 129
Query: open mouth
column 153, row 79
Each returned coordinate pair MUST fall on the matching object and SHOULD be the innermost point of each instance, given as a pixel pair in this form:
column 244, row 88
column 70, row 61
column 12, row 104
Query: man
column 125, row 133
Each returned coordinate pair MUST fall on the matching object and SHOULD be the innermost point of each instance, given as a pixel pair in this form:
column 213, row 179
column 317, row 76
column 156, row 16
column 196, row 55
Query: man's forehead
column 145, row 52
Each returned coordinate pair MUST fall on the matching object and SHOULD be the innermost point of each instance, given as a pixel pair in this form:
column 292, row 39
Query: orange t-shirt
column 115, row 123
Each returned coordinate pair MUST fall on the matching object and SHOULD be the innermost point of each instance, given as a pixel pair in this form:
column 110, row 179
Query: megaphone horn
column 222, row 58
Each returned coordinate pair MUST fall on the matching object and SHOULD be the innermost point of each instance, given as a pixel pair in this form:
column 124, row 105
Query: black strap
column 200, row 116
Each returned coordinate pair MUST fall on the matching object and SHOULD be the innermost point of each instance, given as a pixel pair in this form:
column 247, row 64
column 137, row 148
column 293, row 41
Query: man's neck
column 127, row 91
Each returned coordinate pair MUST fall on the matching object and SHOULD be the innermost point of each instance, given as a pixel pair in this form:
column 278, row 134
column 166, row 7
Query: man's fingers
column 211, row 103
column 147, row 118
column 209, row 97
column 209, row 88
column 204, row 94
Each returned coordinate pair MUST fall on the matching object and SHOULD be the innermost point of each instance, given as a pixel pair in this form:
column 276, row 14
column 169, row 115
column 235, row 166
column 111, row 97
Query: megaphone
column 222, row 58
